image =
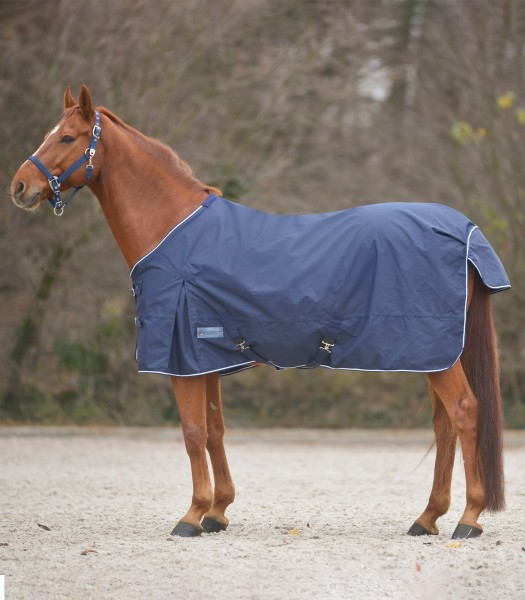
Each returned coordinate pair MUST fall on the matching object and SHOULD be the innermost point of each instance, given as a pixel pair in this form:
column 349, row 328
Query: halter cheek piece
column 56, row 180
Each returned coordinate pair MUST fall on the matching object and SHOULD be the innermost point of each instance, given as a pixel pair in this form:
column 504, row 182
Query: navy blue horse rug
column 380, row 287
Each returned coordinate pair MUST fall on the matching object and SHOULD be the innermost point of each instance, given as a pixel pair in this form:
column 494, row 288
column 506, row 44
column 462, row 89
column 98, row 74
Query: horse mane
column 163, row 148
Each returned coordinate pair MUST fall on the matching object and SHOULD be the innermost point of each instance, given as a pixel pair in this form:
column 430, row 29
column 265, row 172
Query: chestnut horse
column 145, row 190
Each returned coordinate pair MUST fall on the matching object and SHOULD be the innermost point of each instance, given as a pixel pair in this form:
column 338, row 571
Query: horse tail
column 480, row 363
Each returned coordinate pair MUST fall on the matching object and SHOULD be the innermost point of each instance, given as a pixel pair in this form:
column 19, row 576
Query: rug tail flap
column 487, row 263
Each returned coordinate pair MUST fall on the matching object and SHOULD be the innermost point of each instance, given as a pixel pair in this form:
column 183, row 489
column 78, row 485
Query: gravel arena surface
column 86, row 514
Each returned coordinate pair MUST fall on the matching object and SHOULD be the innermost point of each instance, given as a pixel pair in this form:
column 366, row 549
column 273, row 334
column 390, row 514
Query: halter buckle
column 90, row 153
column 54, row 184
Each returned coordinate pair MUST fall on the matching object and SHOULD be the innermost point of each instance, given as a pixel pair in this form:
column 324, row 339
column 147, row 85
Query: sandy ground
column 318, row 514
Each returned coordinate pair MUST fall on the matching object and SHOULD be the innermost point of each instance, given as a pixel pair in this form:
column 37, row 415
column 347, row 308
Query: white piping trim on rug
column 466, row 294
column 491, row 287
column 165, row 238
column 245, row 365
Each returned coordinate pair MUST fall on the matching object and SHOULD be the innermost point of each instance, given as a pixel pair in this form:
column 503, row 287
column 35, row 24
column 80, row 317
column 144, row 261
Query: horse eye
column 67, row 139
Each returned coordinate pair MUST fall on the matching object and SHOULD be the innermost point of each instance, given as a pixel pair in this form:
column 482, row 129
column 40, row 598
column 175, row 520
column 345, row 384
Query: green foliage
column 520, row 116
column 26, row 334
column 506, row 100
column 463, row 133
column 31, row 404
column 232, row 184
column 515, row 415
column 76, row 358
column 232, row 188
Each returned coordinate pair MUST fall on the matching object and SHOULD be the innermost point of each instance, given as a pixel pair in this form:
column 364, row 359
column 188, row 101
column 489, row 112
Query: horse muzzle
column 26, row 196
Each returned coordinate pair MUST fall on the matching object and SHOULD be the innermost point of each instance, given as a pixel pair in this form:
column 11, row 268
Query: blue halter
column 55, row 181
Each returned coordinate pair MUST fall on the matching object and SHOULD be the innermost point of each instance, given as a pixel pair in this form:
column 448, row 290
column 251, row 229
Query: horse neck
column 142, row 189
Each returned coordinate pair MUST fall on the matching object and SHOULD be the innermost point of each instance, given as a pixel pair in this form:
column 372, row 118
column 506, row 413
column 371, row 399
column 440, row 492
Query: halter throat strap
column 55, row 181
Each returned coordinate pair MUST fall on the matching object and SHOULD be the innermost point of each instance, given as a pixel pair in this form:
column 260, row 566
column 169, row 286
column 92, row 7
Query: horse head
column 55, row 166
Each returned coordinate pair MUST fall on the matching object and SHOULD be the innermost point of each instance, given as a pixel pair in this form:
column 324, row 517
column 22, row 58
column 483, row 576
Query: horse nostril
column 20, row 188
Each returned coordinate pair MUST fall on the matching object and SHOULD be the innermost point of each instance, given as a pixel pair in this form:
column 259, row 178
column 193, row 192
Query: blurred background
column 289, row 106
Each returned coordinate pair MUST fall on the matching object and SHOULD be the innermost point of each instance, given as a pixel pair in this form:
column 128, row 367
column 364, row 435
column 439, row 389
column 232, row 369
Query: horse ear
column 84, row 101
column 69, row 101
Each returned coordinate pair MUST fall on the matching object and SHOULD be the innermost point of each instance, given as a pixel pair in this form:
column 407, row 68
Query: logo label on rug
column 210, row 332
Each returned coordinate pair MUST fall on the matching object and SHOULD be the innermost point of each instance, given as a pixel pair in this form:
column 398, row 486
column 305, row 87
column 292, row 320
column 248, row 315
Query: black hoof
column 213, row 526
column 186, row 530
column 463, row 532
column 418, row 529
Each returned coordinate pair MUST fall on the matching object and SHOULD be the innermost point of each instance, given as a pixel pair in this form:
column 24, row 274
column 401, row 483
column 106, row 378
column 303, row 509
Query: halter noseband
column 55, row 181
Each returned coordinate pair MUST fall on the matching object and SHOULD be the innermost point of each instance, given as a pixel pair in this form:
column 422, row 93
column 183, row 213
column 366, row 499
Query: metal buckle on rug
column 239, row 341
column 327, row 343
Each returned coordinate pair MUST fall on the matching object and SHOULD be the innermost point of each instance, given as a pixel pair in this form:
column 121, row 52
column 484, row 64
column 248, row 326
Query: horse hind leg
column 461, row 405
column 224, row 493
column 439, row 501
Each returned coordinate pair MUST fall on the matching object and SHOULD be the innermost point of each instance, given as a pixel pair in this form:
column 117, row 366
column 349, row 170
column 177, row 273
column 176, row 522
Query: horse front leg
column 439, row 501
column 224, row 492
column 190, row 393
column 462, row 408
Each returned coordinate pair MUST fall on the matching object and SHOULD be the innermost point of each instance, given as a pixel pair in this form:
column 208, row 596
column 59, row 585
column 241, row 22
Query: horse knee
column 195, row 438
